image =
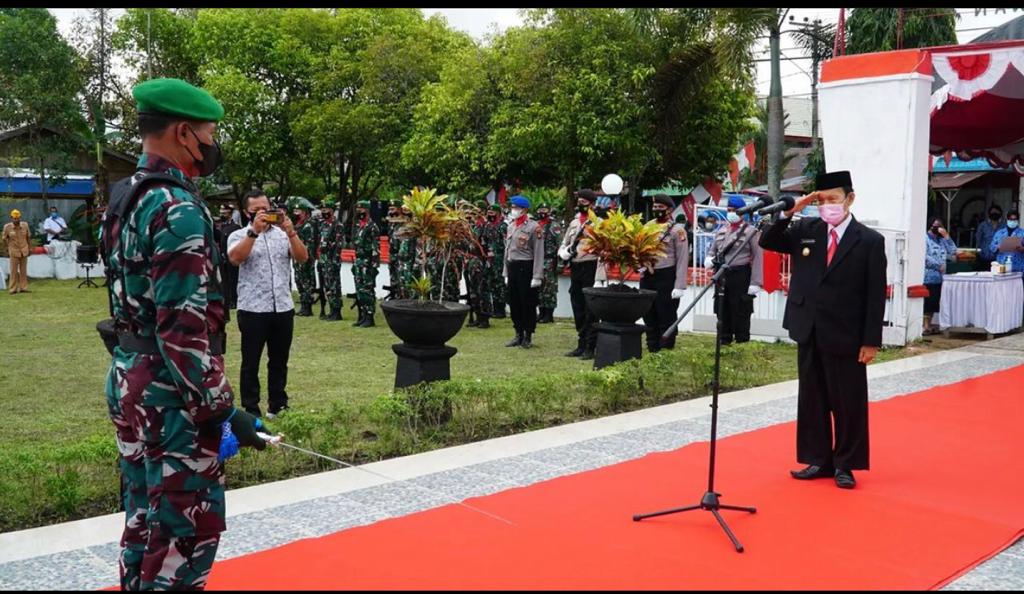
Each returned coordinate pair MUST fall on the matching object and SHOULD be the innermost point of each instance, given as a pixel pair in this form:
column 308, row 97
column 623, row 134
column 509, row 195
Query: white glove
column 753, row 290
column 563, row 253
column 677, row 293
column 709, row 262
column 535, row 283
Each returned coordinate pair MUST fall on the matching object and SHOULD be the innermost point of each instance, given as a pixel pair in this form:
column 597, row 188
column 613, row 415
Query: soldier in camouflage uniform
column 331, row 240
column 496, row 231
column 476, row 271
column 366, row 240
column 408, row 265
column 167, row 393
column 552, row 239
column 394, row 208
column 305, row 273
column 444, row 268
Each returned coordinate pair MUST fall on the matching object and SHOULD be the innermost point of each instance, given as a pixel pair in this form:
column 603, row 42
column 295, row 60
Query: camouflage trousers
column 330, row 276
column 451, row 281
column 305, row 279
column 549, row 285
column 365, row 277
column 173, row 493
column 496, row 287
column 394, row 278
column 476, row 287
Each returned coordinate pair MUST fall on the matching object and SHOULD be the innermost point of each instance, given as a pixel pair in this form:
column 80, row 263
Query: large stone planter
column 618, row 335
column 424, row 327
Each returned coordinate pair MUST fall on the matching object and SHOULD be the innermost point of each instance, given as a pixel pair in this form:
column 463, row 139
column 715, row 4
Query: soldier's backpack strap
column 124, row 196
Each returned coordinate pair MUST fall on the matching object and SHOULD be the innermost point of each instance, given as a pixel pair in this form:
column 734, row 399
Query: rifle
column 321, row 295
column 573, row 250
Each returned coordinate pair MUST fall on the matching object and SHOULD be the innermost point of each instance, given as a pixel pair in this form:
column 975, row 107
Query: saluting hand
column 801, row 203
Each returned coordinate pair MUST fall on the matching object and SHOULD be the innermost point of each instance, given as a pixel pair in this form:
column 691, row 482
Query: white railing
column 769, row 308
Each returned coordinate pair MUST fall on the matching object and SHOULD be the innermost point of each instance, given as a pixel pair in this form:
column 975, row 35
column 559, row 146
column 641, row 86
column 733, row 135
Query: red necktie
column 832, row 247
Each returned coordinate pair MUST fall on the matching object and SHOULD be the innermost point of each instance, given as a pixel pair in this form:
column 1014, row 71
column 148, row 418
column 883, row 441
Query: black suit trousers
column 831, row 387
column 663, row 311
column 522, row 299
column 582, row 275
column 273, row 330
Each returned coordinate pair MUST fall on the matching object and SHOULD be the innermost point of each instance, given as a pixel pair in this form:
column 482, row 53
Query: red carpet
column 944, row 495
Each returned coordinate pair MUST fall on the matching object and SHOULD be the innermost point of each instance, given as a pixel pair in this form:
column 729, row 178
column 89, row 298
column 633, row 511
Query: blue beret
column 520, row 201
column 736, row 202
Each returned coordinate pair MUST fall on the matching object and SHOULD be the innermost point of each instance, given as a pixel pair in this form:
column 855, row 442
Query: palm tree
column 728, row 53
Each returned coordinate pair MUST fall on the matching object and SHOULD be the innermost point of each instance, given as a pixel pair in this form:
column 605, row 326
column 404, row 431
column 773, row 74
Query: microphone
column 784, row 203
column 762, row 202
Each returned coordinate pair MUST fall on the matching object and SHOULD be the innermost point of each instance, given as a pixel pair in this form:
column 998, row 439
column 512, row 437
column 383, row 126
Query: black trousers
column 735, row 310
column 582, row 275
column 273, row 330
column 663, row 312
column 522, row 299
column 831, row 387
column 229, row 274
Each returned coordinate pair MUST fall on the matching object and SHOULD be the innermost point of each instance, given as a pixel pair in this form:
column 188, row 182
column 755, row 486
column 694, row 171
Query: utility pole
column 149, row 42
column 819, row 49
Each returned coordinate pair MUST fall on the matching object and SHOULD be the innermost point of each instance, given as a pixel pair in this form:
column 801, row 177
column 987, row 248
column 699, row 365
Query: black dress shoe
column 526, row 343
column 518, row 340
column 812, row 472
column 844, row 479
column 588, row 354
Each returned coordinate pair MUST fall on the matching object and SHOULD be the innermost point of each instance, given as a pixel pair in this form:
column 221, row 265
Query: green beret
column 396, row 202
column 328, row 202
column 297, row 202
column 543, row 204
column 363, row 204
column 495, row 206
column 173, row 96
column 481, row 204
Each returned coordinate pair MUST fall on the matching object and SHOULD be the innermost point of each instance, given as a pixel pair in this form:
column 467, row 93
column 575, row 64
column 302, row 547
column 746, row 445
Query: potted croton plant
column 426, row 324
column 629, row 244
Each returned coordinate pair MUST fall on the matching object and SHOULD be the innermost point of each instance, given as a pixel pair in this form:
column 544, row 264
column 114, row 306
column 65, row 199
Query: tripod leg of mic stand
column 638, row 517
column 738, row 508
column 732, row 537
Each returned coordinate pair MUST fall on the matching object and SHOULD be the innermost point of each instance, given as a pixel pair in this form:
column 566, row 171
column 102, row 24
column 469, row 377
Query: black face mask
column 361, row 214
column 661, row 214
column 994, row 216
column 211, row 154
column 583, row 209
column 602, row 212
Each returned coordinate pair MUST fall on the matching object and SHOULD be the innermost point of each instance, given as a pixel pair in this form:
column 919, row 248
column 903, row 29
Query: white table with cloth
column 982, row 300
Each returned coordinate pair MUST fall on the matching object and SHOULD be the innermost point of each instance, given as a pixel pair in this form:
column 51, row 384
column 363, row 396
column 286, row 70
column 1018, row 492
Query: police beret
column 587, row 195
column 664, row 199
column 520, row 201
column 175, row 97
column 736, row 202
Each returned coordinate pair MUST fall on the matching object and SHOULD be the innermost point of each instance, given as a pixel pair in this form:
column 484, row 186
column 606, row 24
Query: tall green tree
column 880, row 29
column 40, row 81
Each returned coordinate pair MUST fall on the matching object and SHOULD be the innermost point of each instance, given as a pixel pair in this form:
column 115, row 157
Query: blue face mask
column 54, row 215
column 1012, row 224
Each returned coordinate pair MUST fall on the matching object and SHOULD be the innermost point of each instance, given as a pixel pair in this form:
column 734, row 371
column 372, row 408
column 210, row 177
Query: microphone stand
column 709, row 502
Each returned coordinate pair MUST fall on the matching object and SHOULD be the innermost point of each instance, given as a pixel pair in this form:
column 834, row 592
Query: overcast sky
column 796, row 78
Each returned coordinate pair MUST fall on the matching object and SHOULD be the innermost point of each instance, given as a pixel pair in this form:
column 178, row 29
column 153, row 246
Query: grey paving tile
column 461, row 484
column 71, row 570
column 518, row 470
column 659, row 440
column 569, row 456
column 398, row 499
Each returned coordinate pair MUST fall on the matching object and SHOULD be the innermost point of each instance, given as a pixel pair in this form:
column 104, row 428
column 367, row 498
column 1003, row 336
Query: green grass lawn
column 58, row 457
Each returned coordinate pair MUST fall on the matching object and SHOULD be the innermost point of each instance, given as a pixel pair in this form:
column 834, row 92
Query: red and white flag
column 745, row 159
column 839, row 45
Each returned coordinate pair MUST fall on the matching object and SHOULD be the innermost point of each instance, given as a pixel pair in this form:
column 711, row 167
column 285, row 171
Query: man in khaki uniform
column 524, row 269
column 743, row 279
column 16, row 237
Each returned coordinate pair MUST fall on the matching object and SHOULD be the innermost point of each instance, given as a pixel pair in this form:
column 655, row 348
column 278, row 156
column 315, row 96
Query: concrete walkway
column 83, row 554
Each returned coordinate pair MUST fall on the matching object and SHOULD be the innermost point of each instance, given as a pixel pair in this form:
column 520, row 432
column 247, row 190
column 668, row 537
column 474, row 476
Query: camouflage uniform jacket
column 165, row 275
column 332, row 239
column 367, row 243
column 309, row 235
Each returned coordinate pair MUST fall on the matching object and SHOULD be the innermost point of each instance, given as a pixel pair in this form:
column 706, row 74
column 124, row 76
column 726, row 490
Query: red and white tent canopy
column 977, row 102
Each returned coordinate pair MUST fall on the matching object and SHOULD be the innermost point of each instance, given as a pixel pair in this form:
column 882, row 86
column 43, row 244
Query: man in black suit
column 834, row 312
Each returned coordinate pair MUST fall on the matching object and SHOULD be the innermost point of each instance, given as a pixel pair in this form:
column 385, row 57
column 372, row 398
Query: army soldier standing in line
column 497, row 229
column 476, row 270
column 167, row 393
column 668, row 277
column 305, row 272
column 743, row 280
column 393, row 218
column 524, row 269
column 331, row 240
column 408, row 265
column 549, row 289
column 366, row 240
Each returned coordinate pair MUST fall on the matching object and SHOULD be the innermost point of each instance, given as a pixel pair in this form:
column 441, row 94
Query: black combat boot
column 359, row 322
column 368, row 321
column 483, row 321
column 518, row 340
column 527, row 343
column 334, row 316
column 306, row 310
column 548, row 317
column 473, row 320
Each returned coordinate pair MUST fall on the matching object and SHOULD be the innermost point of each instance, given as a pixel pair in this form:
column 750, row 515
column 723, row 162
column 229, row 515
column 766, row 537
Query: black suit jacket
column 841, row 305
